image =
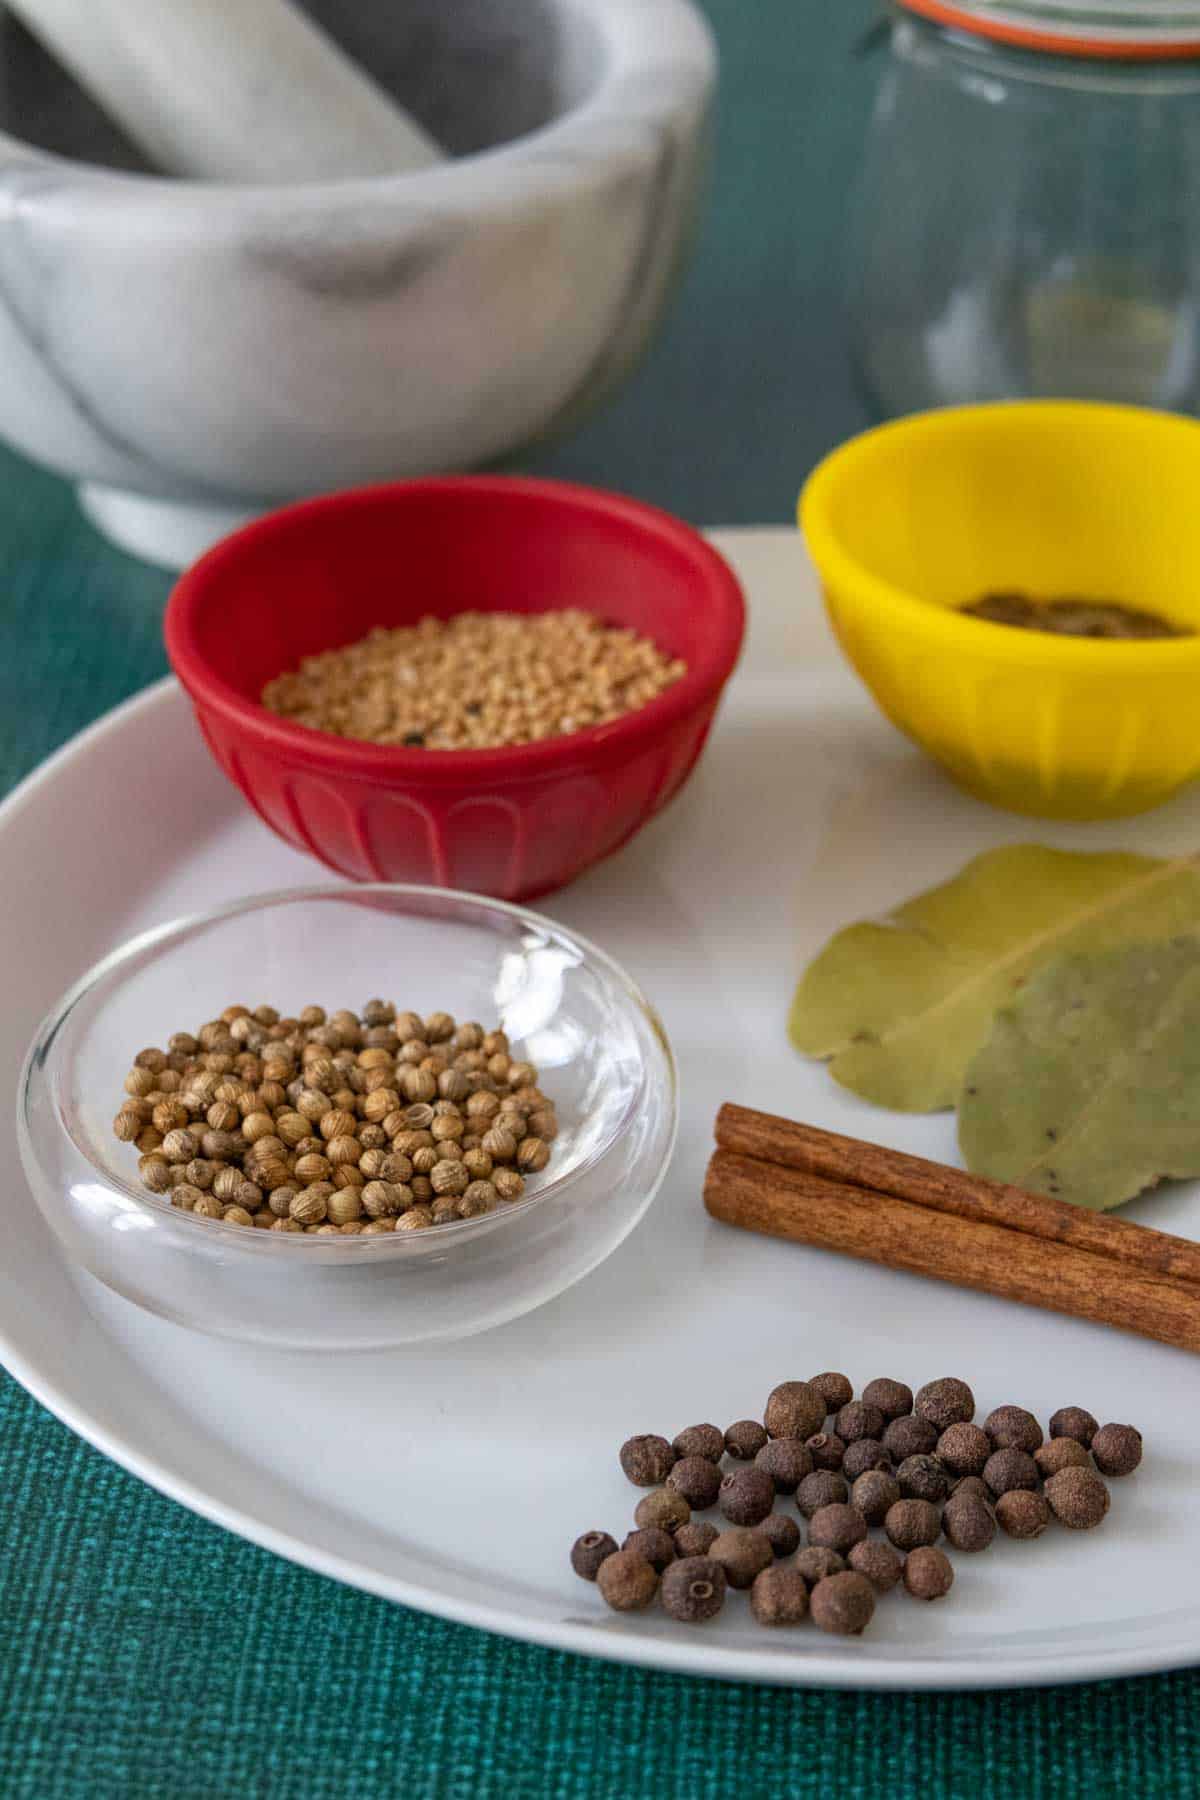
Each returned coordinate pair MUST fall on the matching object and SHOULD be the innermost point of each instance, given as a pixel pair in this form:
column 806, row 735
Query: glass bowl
column 600, row 1050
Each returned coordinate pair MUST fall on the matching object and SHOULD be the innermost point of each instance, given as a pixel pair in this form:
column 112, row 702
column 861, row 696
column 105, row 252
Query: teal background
column 146, row 1653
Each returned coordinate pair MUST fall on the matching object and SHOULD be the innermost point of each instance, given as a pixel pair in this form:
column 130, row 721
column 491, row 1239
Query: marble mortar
column 193, row 353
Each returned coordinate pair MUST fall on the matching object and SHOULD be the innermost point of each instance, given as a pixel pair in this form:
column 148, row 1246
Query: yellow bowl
column 910, row 522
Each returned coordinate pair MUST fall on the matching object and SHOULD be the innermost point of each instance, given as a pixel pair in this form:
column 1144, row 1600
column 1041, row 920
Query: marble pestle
column 230, row 90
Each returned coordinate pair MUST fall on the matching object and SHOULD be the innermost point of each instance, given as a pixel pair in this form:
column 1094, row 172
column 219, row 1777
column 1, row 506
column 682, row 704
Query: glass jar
column 1029, row 210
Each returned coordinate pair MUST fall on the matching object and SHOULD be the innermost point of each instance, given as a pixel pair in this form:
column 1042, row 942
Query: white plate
column 455, row 1479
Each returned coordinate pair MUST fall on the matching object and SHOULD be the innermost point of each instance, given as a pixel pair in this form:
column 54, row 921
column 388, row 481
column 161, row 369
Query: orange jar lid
column 1117, row 30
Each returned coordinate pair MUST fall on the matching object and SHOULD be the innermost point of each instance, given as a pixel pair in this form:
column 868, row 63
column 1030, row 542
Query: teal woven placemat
column 144, row 1652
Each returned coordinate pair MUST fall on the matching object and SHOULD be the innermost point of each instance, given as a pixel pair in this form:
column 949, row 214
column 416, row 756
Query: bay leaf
column 899, row 1006
column 1088, row 1087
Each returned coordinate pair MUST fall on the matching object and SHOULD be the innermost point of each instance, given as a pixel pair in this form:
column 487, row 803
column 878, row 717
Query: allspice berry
column 964, row 1449
column 745, row 1439
column 911, row 1523
column 664, row 1508
column 969, row 1523
column 1060, row 1453
column 746, row 1495
column 843, row 1604
column 881, row 1565
column 815, row 1564
column 779, row 1596
column 911, row 1436
column 627, row 1581
column 647, row 1460
column 974, row 1486
column 923, row 1478
column 589, row 1551
column 693, row 1589
column 1009, row 1469
column 1074, row 1422
column 834, row 1389
column 826, row 1450
column 656, row 1545
column 782, row 1533
column 822, row 1488
column 1078, row 1498
column 786, row 1461
column 857, row 1420
column 945, row 1402
column 928, row 1574
column 794, row 1410
column 1117, row 1449
column 874, row 1494
column 864, row 1454
column 837, row 1528
column 1012, row 1428
column 697, row 1479
column 894, row 1399
column 695, row 1538
column 700, row 1440
column 742, row 1553
column 1022, row 1514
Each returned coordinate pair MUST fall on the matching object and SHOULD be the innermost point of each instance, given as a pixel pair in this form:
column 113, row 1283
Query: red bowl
column 511, row 822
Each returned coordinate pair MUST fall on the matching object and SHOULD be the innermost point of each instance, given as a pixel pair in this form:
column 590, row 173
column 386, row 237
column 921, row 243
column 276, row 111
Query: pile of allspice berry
column 919, row 1468
column 336, row 1124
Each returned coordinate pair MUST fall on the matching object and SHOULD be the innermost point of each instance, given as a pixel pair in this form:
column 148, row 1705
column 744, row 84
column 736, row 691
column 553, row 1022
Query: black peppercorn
column 1009, row 1469
column 696, row 1538
column 843, row 1604
column 928, row 1574
column 783, row 1533
column 873, row 1494
column 822, row 1488
column 837, row 1528
column 964, row 1449
column 693, row 1589
column 911, row 1523
column 834, row 1389
column 864, row 1454
column 945, row 1402
column 697, row 1479
column 815, row 1564
column 779, row 1597
column 1117, row 1449
column 656, row 1545
column 664, row 1508
column 826, row 1450
column 627, row 1581
column 968, row 1523
column 881, row 1565
column 589, row 1551
column 701, row 1440
column 909, row 1437
column 1012, row 1428
column 647, row 1460
column 1074, row 1422
column 794, row 1410
column 747, row 1495
column 1078, row 1498
column 786, row 1461
column 893, row 1398
column 858, row 1420
column 745, row 1439
column 742, row 1553
column 1060, row 1453
column 1022, row 1514
column 922, row 1478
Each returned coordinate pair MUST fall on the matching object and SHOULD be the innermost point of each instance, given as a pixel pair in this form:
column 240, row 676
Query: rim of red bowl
column 718, row 590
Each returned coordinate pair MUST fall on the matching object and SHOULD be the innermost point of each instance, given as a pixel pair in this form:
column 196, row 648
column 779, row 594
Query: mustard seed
column 693, row 1589
column 1117, row 1449
column 779, row 1596
column 928, row 1573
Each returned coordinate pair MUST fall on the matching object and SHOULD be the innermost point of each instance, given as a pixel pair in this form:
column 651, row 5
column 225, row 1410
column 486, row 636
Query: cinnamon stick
column 940, row 1188
column 791, row 1203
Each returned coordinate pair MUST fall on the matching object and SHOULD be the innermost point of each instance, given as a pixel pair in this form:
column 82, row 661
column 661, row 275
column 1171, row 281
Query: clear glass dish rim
column 385, row 1243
